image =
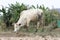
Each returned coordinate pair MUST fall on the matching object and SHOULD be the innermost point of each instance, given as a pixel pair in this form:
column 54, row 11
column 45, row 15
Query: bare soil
column 52, row 35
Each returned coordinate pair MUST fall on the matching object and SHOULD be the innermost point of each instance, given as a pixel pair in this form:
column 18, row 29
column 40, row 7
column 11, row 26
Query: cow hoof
column 17, row 33
column 36, row 30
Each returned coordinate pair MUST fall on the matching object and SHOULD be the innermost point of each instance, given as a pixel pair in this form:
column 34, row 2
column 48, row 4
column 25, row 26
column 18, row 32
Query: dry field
column 54, row 35
column 30, row 38
column 23, row 35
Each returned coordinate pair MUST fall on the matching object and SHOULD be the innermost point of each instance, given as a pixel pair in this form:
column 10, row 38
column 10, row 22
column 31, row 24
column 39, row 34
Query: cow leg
column 28, row 25
column 38, row 24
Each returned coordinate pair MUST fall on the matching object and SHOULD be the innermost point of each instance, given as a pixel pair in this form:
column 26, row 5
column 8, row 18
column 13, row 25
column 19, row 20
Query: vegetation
column 12, row 13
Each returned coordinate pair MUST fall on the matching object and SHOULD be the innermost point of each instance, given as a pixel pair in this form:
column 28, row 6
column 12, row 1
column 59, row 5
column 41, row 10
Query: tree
column 6, row 16
column 16, row 10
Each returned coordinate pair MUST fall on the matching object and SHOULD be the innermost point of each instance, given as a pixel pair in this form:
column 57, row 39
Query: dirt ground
column 30, row 38
column 37, row 37
column 52, row 35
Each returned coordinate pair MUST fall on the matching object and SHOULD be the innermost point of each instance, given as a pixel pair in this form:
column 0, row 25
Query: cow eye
column 19, row 24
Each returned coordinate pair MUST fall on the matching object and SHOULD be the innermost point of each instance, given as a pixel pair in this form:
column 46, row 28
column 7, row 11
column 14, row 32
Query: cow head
column 16, row 27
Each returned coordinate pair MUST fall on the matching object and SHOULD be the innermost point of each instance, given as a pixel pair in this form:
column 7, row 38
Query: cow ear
column 19, row 24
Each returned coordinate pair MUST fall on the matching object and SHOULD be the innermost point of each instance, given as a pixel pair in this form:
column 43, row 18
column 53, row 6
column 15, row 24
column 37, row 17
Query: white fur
column 26, row 16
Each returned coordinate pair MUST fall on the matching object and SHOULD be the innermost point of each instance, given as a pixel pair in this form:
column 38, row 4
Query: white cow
column 27, row 16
